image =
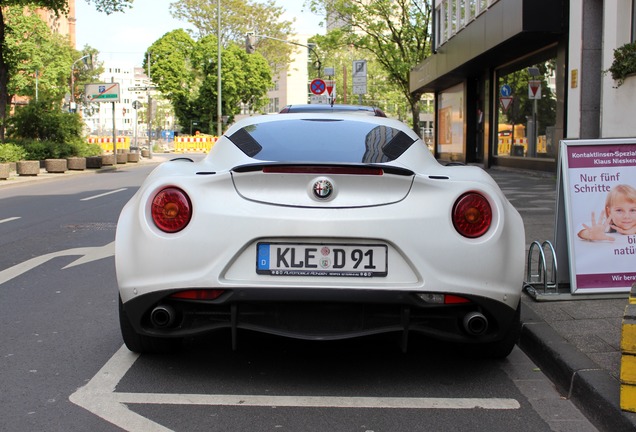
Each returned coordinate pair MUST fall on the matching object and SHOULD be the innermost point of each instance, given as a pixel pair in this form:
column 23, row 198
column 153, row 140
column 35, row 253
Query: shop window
column 526, row 113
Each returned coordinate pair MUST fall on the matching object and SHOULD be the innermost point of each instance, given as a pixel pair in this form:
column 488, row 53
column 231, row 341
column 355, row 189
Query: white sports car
column 320, row 226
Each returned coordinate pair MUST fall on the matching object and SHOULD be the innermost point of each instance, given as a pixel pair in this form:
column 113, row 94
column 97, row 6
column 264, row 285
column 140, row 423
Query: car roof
column 353, row 109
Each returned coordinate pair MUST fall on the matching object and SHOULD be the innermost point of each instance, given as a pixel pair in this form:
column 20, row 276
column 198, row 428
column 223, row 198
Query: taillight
column 171, row 210
column 472, row 215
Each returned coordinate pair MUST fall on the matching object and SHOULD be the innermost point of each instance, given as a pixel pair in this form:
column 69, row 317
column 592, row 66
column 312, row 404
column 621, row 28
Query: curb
column 593, row 390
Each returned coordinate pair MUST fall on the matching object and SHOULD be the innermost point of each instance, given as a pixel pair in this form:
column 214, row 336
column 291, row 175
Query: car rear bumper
column 319, row 314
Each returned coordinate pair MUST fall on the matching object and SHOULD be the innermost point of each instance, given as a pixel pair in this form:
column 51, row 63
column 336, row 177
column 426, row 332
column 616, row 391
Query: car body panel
column 408, row 210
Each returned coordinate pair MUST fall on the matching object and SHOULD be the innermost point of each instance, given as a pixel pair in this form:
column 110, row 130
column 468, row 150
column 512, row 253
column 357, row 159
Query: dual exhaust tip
column 475, row 323
column 164, row 316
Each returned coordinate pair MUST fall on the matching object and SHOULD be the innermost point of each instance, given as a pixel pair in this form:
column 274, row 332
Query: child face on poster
column 618, row 216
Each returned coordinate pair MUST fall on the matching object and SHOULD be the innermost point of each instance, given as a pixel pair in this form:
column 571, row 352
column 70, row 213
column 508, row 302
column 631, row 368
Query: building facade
column 290, row 86
column 512, row 78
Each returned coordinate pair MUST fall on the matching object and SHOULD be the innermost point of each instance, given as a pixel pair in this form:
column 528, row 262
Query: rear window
column 321, row 140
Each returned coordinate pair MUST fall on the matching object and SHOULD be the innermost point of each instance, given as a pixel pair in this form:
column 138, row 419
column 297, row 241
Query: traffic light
column 249, row 43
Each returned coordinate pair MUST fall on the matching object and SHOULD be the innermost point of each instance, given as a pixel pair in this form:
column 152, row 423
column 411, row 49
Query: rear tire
column 143, row 344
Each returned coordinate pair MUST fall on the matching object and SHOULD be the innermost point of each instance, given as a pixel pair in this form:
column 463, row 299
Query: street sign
column 102, row 92
column 317, row 86
column 330, row 86
column 505, row 90
column 319, row 99
column 505, row 102
column 534, row 89
column 359, row 77
column 360, row 89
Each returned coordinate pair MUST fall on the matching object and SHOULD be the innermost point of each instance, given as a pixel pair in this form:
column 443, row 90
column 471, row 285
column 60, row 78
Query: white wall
column 618, row 106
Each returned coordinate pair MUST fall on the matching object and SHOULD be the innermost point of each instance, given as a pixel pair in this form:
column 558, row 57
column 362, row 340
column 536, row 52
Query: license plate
column 308, row 259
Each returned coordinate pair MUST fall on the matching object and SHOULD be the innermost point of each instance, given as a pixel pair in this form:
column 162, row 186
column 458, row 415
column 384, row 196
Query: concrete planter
column 145, row 153
column 108, row 160
column 94, row 162
column 122, row 158
column 76, row 163
column 5, row 170
column 28, row 168
column 133, row 157
column 57, row 166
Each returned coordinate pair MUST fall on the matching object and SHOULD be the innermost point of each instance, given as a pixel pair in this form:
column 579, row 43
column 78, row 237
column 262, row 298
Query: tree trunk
column 414, row 100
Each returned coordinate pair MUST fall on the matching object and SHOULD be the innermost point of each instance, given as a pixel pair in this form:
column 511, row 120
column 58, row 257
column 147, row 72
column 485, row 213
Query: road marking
column 10, row 219
column 104, row 194
column 88, row 254
column 100, row 398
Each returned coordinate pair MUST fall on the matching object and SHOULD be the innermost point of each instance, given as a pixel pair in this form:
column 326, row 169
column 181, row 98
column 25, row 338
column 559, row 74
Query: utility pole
column 112, row 80
column 149, row 107
column 219, row 109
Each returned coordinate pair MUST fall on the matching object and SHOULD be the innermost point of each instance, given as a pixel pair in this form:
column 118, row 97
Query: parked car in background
column 320, row 226
column 318, row 108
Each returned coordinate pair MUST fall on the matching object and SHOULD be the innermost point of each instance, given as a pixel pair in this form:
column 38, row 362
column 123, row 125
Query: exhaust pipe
column 475, row 323
column 162, row 316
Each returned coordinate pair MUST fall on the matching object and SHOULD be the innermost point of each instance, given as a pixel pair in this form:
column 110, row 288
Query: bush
column 40, row 150
column 12, row 153
column 44, row 121
column 84, row 149
column 624, row 63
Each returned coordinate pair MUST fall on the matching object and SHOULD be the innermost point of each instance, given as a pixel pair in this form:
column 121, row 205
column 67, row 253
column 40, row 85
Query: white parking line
column 104, row 194
column 10, row 219
column 100, row 398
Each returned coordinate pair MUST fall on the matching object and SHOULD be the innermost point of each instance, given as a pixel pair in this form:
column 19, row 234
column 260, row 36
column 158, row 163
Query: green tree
column 185, row 72
column 522, row 106
column 238, row 17
column 7, row 51
column 394, row 32
column 380, row 92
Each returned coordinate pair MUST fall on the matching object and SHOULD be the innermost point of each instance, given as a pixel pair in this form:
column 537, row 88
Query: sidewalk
column 576, row 343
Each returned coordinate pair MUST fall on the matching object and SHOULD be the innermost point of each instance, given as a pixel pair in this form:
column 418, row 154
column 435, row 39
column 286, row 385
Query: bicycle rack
column 543, row 282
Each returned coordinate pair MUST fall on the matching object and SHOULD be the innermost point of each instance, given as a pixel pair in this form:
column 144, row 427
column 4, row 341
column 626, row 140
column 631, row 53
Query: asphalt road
column 63, row 367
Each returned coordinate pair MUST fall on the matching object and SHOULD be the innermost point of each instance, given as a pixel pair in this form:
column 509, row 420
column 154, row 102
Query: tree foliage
column 395, row 32
column 522, row 106
column 238, row 17
column 185, row 72
column 7, row 74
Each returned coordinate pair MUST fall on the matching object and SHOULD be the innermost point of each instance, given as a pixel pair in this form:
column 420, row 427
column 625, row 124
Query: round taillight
column 472, row 215
column 171, row 210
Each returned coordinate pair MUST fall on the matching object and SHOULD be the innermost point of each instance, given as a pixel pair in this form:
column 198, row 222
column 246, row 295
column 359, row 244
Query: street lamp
column 86, row 59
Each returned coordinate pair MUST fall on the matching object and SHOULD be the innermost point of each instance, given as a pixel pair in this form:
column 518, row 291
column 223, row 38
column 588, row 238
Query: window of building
column 273, row 106
column 526, row 114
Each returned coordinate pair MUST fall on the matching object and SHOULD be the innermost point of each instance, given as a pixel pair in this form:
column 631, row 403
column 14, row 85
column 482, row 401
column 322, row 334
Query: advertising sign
column 450, row 114
column 599, row 188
